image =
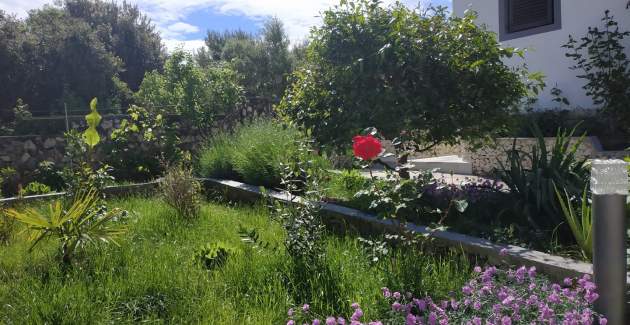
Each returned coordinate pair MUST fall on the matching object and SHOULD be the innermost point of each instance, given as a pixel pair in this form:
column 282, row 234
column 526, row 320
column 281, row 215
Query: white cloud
column 177, row 31
column 184, row 28
column 21, row 7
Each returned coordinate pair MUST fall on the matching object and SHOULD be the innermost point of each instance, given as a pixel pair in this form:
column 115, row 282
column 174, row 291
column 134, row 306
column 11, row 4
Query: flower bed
column 492, row 297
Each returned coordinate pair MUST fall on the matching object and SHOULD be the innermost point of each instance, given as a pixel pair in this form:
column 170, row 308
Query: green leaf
column 94, row 118
column 91, row 136
column 461, row 205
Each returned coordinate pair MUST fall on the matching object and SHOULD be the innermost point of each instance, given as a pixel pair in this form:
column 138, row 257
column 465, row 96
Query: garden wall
column 486, row 159
column 25, row 152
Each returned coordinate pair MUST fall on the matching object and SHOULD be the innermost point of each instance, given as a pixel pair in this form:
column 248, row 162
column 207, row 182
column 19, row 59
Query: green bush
column 185, row 88
column 442, row 77
column 35, row 188
column 602, row 61
column 346, row 184
column 260, row 149
column 215, row 160
column 254, row 153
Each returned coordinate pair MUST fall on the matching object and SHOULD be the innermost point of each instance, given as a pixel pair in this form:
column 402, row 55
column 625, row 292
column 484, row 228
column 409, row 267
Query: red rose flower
column 366, row 147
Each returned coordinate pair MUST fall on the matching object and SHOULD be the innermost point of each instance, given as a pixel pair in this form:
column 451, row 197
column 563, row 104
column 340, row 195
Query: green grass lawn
column 151, row 277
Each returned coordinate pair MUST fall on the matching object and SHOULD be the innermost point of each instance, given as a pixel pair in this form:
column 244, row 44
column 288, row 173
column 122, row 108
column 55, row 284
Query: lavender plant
column 493, row 297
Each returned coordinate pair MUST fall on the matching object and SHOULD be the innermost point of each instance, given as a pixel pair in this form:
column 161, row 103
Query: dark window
column 526, row 14
column 519, row 18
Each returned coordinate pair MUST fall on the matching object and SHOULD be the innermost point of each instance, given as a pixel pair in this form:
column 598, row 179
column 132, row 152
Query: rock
column 29, row 146
column 5, row 158
column 25, row 158
column 50, row 143
column 107, row 124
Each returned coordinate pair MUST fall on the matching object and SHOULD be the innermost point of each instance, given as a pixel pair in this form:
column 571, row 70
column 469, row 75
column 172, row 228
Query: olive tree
column 432, row 77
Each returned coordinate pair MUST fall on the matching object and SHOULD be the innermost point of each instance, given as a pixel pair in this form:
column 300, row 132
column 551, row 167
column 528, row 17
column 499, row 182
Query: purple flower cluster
column 472, row 190
column 355, row 319
column 493, row 297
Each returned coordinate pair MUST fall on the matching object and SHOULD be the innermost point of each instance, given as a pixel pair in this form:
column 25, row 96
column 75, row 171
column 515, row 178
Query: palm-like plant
column 81, row 224
column 580, row 221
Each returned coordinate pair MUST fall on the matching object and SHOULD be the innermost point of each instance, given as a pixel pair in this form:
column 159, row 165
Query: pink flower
column 591, row 296
column 532, row 272
column 410, row 320
column 358, row 313
column 503, row 252
column 422, row 304
column 331, row 321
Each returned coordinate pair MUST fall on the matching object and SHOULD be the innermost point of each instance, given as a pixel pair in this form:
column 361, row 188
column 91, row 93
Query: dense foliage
column 601, row 58
column 184, row 88
column 73, row 51
column 436, row 77
column 262, row 62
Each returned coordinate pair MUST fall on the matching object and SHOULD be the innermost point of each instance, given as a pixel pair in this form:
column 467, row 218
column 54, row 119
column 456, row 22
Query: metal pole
column 609, row 184
column 65, row 110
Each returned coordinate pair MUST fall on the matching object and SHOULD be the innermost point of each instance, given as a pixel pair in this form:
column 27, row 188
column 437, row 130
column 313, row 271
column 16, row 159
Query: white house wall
column 544, row 51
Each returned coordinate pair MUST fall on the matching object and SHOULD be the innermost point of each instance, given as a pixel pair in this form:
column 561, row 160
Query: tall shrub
column 439, row 78
column 602, row 59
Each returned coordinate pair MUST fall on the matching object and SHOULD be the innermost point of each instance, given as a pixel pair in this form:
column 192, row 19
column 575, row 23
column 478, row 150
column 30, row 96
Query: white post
column 609, row 184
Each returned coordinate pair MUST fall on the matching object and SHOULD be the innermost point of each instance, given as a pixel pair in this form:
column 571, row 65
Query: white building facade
column 542, row 27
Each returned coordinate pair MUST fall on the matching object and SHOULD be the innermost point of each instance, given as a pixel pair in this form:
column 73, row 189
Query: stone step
column 443, row 164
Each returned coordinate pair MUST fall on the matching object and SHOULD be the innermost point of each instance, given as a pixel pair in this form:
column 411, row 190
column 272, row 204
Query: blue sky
column 183, row 23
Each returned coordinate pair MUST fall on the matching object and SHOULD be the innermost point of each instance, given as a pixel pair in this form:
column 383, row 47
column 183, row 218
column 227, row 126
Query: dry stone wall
column 488, row 158
column 25, row 152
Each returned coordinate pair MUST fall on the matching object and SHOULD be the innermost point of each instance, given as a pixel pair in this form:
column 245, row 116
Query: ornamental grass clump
column 493, row 297
column 182, row 191
column 254, row 153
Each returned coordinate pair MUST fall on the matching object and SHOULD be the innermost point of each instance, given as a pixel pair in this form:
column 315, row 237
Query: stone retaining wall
column 25, row 152
column 486, row 160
